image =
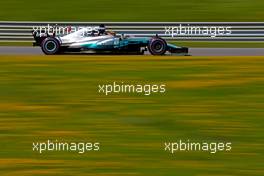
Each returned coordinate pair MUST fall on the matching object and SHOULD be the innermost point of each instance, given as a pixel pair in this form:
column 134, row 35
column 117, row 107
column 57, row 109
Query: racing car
column 102, row 41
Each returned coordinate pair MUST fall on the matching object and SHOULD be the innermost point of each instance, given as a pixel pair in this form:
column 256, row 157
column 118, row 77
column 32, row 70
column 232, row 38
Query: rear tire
column 50, row 46
column 157, row 46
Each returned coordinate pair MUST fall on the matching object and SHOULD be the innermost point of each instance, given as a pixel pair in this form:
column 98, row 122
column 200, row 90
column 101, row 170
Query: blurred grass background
column 131, row 10
column 207, row 99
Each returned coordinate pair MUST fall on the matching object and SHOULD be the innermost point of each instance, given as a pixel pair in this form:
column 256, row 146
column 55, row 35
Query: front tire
column 50, row 46
column 157, row 46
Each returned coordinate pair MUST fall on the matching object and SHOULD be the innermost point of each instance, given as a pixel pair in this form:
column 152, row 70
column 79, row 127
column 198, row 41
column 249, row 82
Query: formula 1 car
column 102, row 41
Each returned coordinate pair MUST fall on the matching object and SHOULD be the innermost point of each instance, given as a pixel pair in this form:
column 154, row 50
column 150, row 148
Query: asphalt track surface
column 7, row 50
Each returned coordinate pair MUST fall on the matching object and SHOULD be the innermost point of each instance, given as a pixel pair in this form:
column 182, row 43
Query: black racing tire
column 50, row 46
column 157, row 46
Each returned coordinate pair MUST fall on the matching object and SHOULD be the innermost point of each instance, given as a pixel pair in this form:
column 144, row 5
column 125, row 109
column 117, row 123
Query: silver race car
column 101, row 41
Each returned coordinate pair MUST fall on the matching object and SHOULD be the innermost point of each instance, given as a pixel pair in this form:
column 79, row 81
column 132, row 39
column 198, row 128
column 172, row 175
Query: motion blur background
column 132, row 10
column 213, row 99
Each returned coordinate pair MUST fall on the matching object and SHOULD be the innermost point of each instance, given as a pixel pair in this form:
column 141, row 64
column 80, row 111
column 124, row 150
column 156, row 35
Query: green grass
column 207, row 99
column 130, row 10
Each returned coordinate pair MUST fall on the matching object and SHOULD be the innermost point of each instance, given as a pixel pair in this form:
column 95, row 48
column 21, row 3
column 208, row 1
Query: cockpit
column 93, row 32
column 89, row 33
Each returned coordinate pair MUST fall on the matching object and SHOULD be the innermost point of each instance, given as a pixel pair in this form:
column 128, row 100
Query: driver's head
column 101, row 29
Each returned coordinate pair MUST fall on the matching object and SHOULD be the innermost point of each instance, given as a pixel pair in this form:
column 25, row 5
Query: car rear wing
column 39, row 36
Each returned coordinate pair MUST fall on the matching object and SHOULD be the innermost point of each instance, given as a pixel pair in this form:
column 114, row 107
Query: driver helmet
column 101, row 29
